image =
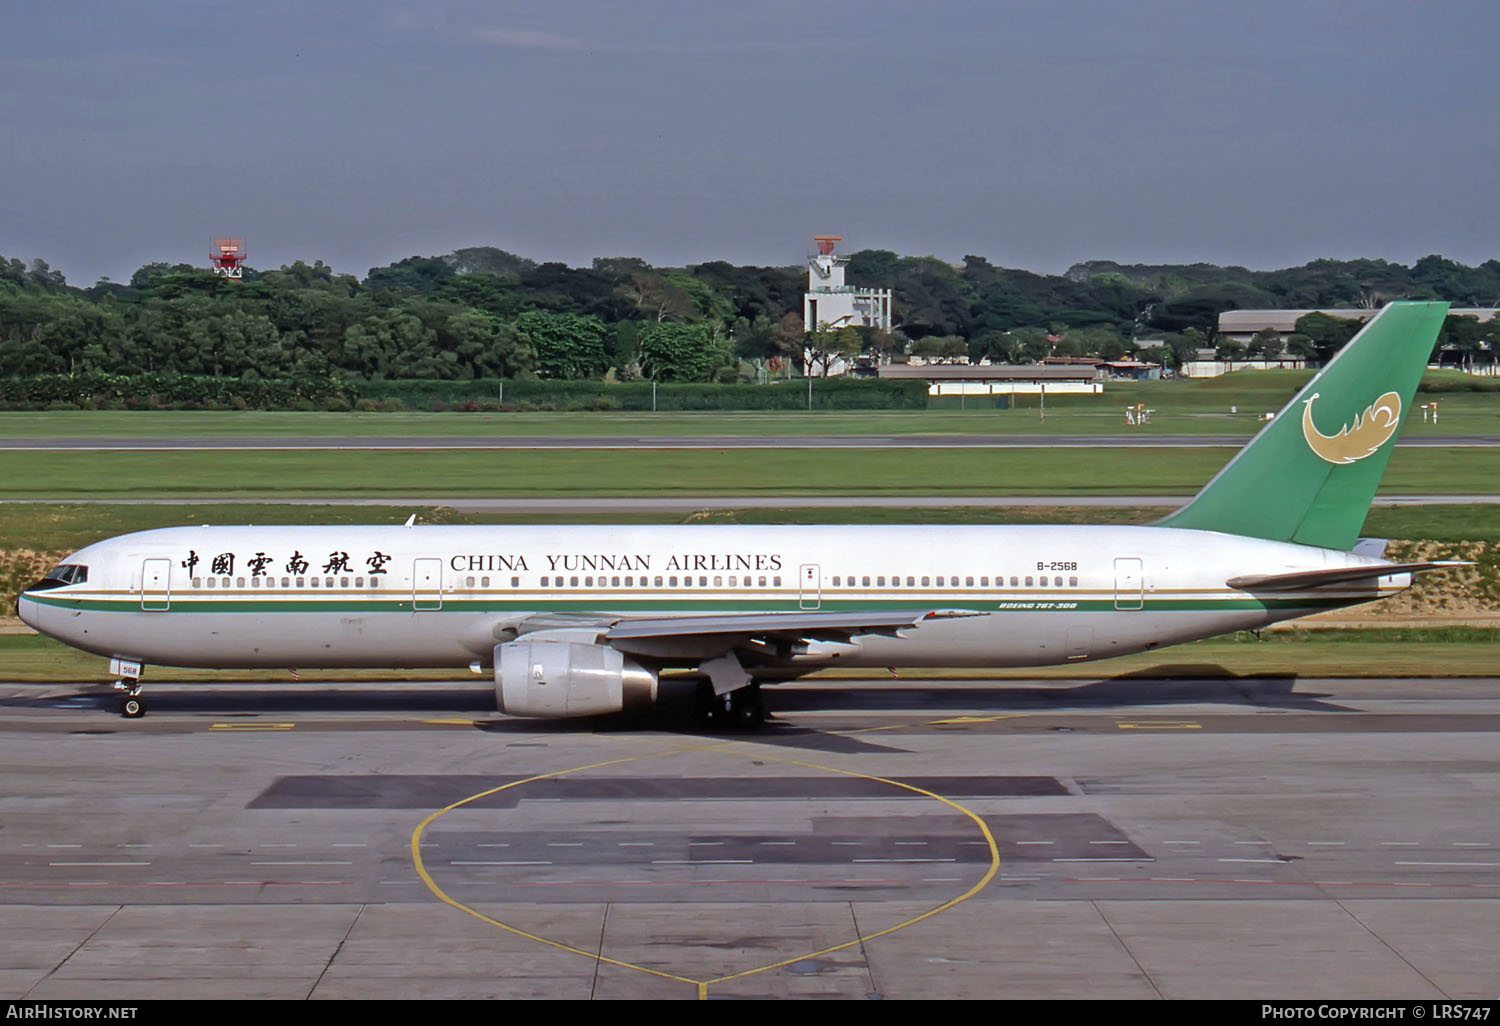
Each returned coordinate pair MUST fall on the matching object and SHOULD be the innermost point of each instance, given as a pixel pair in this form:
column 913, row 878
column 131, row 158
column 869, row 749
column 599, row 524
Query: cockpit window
column 62, row 576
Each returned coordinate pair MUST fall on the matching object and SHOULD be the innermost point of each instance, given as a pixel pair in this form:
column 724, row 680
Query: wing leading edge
column 801, row 625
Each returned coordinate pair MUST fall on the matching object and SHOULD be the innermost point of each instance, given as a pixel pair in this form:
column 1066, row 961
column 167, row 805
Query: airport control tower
column 830, row 303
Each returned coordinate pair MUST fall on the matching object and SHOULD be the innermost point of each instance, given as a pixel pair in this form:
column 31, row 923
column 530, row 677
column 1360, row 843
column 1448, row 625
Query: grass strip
column 53, row 527
column 598, row 472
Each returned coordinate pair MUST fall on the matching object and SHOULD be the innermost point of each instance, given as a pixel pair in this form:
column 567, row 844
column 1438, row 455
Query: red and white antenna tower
column 228, row 257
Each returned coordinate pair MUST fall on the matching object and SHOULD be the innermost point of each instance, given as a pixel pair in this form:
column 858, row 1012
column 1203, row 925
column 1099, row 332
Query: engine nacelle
column 568, row 678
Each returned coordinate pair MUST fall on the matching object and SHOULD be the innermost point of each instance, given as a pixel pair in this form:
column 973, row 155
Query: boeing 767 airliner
column 583, row 620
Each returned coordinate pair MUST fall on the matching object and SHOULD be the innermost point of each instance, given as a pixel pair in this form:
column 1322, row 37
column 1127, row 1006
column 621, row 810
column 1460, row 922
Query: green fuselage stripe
column 604, row 606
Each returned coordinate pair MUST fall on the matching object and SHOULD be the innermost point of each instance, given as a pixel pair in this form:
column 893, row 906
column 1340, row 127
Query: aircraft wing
column 1341, row 575
column 717, row 642
column 810, row 625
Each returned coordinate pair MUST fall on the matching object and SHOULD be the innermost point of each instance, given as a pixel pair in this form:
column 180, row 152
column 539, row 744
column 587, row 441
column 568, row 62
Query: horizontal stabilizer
column 1341, row 575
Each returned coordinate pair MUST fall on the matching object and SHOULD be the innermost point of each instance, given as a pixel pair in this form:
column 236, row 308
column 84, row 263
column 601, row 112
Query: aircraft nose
column 29, row 611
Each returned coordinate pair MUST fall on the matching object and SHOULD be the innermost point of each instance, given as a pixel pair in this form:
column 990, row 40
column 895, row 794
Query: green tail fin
column 1310, row 475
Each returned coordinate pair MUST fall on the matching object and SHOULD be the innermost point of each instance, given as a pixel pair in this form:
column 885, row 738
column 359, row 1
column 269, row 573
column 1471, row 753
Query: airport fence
column 95, row 390
column 101, row 391
column 641, row 396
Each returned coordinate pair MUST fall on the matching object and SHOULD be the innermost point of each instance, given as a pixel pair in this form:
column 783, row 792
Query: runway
column 542, row 442
column 1099, row 838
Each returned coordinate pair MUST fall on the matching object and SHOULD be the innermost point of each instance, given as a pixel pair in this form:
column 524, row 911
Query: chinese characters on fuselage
column 338, row 562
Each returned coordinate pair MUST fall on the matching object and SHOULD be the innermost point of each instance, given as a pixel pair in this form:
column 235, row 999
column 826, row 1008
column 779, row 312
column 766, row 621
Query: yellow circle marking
column 703, row 985
column 421, row 867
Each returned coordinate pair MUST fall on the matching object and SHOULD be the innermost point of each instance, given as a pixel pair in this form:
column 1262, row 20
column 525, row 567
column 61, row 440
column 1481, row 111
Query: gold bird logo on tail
column 1370, row 430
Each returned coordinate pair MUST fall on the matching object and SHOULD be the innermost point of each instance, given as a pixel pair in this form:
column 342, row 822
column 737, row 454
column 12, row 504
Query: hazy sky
column 1036, row 134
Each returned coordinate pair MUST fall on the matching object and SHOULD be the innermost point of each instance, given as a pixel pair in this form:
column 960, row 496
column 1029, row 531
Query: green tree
column 1327, row 334
column 1229, row 350
column 680, row 352
column 1264, row 345
column 566, row 345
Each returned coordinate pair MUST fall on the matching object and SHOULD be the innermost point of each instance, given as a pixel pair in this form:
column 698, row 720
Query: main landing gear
column 133, row 705
column 742, row 708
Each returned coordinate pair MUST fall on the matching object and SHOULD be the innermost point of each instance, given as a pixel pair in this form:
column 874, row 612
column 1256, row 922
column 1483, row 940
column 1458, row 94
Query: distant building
column 1105, row 370
column 1242, row 325
column 829, row 303
column 944, row 379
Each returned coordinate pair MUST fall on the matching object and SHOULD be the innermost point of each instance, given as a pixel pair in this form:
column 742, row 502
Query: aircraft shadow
column 1163, row 685
column 1158, row 686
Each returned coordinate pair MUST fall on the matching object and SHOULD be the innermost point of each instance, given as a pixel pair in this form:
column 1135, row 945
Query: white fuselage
column 445, row 596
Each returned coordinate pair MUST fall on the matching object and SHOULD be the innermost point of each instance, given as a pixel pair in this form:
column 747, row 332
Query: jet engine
column 568, row 678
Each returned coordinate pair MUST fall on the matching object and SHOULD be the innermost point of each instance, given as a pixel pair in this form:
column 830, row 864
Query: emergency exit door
column 811, row 593
column 1130, row 589
column 427, row 585
column 156, row 585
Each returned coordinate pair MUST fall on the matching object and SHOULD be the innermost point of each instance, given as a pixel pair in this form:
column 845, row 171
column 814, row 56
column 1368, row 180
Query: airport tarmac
column 1136, row 838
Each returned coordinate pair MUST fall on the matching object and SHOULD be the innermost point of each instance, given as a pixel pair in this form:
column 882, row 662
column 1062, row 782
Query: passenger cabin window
column 515, row 582
column 1028, row 582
